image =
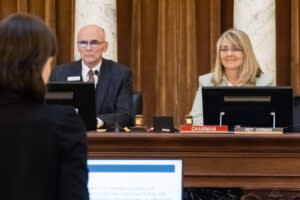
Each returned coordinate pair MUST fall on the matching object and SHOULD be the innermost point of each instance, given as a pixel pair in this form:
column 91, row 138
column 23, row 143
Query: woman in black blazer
column 42, row 148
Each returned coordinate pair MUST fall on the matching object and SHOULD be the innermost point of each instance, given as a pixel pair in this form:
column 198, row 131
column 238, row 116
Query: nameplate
column 73, row 78
column 203, row 129
column 257, row 130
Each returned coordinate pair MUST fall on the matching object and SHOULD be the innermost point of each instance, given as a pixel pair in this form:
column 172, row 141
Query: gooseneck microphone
column 117, row 127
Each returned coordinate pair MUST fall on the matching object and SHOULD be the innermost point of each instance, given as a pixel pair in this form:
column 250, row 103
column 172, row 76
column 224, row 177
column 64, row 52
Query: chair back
column 137, row 105
column 137, row 100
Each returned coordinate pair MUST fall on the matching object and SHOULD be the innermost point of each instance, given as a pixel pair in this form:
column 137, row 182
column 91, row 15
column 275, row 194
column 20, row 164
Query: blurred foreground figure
column 43, row 148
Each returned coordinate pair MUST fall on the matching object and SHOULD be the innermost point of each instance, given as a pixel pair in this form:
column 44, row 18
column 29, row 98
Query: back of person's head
column 250, row 69
column 26, row 44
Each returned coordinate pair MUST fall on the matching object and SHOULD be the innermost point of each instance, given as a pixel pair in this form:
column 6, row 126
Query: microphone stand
column 117, row 127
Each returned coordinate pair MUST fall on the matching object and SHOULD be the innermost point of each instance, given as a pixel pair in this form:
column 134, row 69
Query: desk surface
column 212, row 160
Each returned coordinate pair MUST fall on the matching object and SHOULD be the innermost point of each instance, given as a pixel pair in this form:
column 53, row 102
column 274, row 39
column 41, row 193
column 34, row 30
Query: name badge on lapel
column 73, row 78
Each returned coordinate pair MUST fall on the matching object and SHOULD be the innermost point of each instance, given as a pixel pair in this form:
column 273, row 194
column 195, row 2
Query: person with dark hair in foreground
column 43, row 148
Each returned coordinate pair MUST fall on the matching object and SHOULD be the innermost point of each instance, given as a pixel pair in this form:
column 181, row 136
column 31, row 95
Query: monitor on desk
column 80, row 95
column 135, row 179
column 248, row 106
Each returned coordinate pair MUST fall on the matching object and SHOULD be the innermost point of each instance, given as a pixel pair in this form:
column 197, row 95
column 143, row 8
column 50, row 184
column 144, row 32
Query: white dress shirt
column 86, row 69
column 85, row 78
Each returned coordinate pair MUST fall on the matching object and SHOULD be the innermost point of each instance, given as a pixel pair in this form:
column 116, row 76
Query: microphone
column 117, row 127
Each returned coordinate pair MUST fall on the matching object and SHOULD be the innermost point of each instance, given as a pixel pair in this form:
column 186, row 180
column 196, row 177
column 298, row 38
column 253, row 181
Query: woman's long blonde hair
column 249, row 70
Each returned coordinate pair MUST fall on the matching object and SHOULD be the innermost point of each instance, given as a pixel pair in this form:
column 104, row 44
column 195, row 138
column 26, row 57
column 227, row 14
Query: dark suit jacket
column 113, row 90
column 43, row 151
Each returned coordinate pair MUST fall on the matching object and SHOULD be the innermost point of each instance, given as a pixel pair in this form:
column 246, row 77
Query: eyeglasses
column 93, row 44
column 233, row 51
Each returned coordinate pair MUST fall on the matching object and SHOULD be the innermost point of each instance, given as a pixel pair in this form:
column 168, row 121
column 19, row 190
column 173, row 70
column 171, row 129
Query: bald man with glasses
column 113, row 82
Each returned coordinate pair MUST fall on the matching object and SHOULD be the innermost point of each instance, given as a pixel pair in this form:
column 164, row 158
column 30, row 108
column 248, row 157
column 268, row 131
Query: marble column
column 257, row 19
column 102, row 13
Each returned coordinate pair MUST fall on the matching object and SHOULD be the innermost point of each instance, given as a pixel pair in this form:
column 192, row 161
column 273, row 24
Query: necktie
column 91, row 76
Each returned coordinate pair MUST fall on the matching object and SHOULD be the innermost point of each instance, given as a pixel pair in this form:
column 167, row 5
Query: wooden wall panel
column 226, row 15
column 22, row 6
column 124, row 16
column 215, row 28
column 7, row 7
column 65, row 16
column 144, row 79
column 141, row 33
column 203, row 37
column 295, row 46
column 37, row 7
column 57, row 14
column 283, row 40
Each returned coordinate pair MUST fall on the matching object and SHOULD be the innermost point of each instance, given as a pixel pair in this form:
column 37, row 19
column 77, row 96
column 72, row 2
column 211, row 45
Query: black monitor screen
column 80, row 95
column 248, row 106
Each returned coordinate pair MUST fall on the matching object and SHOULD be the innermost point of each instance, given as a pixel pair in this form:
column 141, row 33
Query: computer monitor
column 248, row 106
column 80, row 95
column 135, row 179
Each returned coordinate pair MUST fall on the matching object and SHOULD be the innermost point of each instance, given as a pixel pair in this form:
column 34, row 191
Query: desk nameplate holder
column 256, row 130
column 260, row 130
column 203, row 129
column 188, row 127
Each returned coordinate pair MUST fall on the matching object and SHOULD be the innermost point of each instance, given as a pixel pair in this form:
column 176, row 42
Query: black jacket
column 113, row 90
column 43, row 151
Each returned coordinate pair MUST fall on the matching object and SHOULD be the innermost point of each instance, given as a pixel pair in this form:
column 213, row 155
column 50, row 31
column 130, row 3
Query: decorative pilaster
column 257, row 19
column 102, row 13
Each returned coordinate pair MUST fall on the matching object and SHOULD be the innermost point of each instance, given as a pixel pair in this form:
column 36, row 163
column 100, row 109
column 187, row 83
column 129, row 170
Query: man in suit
column 112, row 80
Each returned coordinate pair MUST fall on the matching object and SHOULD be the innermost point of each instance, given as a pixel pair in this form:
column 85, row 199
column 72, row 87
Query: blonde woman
column 235, row 65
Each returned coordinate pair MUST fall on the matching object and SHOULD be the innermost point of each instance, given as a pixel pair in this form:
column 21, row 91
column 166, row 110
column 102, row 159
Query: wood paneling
column 226, row 15
column 7, row 7
column 65, row 16
column 168, row 44
column 124, row 26
column 215, row 28
column 37, row 7
column 295, row 46
column 283, row 43
column 288, row 44
column 22, row 6
column 203, row 38
column 212, row 160
column 59, row 15
column 50, row 17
